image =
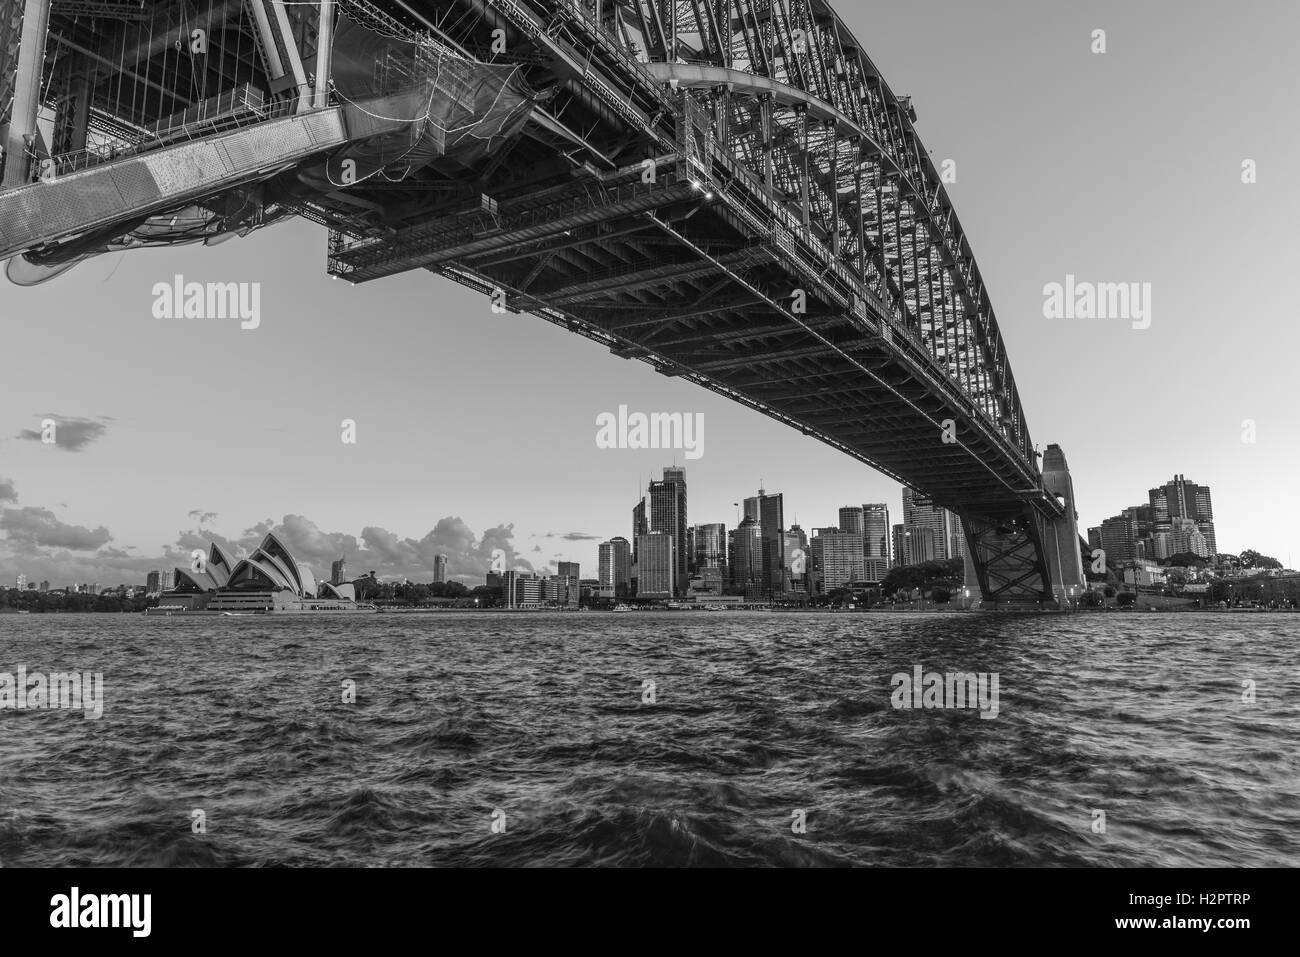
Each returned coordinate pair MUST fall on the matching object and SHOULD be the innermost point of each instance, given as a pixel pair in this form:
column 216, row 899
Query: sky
column 476, row 430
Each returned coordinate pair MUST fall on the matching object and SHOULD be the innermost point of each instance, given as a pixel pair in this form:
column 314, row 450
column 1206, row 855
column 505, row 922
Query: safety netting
column 409, row 103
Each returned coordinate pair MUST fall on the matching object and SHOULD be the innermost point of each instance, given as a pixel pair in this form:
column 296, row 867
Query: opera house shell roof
column 271, row 567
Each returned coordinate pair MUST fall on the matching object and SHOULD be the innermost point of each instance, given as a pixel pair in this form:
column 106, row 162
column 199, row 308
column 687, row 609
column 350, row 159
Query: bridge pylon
column 1028, row 559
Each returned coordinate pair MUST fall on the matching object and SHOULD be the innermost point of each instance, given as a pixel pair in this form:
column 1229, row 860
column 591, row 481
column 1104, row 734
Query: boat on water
column 622, row 606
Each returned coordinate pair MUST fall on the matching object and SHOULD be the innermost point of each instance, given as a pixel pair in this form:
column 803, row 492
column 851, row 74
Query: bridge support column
column 1028, row 559
column 27, row 91
column 1061, row 535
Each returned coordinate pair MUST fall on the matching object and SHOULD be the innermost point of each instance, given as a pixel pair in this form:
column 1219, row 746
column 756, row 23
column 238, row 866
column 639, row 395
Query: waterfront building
column 656, row 565
column 767, row 511
column 615, row 575
column 268, row 580
column 875, row 540
column 746, row 560
column 914, row 544
column 668, row 515
column 838, row 557
column 1119, row 539
column 1183, row 498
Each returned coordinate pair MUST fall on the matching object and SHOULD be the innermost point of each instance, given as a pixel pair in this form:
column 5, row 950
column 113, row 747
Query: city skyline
column 432, row 562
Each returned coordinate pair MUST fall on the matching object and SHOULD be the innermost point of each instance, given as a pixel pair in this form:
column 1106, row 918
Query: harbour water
column 538, row 739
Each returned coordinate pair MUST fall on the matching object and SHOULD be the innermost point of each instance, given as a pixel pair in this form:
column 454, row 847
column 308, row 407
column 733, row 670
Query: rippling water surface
column 540, row 717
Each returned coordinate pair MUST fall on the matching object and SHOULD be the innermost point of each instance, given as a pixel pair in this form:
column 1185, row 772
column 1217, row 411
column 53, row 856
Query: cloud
column 70, row 434
column 33, row 541
column 39, row 526
column 580, row 537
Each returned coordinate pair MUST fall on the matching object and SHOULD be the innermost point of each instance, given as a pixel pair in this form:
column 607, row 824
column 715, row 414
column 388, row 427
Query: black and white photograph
column 637, row 435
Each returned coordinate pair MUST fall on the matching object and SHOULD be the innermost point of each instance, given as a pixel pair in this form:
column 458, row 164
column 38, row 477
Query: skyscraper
column 746, row 561
column 851, row 519
column 710, row 545
column 20, row 582
column 875, row 541
column 668, row 515
column 656, row 565
column 838, row 557
column 639, row 526
column 440, row 568
column 569, row 569
column 946, row 540
column 914, row 544
column 1181, row 498
column 339, row 571
column 919, row 512
column 768, row 512
column 615, row 576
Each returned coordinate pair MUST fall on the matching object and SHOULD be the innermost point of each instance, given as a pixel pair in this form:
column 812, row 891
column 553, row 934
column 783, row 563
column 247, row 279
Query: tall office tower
column 21, row 582
column 851, row 519
column 768, row 512
column 569, row 569
column 45, row 585
column 875, row 541
column 956, row 537
column 656, row 566
column 440, row 568
column 838, row 558
column 794, row 543
column 615, row 576
column 747, row 574
column 919, row 512
column 1181, row 498
column 339, row 571
column 710, row 546
column 165, row 579
column 153, row 582
column 914, row 544
column 668, row 515
column 690, row 550
column 640, row 525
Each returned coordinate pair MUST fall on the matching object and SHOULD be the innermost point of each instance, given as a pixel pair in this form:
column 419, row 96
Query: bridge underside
column 727, row 190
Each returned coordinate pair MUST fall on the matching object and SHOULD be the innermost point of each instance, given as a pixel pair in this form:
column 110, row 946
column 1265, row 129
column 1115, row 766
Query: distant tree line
column 41, row 602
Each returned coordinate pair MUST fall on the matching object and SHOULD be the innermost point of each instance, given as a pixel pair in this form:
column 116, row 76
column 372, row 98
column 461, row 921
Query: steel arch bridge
column 728, row 190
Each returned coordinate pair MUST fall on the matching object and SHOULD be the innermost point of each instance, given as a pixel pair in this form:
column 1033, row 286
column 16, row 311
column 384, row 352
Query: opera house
column 270, row 580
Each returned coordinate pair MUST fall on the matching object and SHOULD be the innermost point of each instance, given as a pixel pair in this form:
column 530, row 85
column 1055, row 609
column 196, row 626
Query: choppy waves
column 529, row 740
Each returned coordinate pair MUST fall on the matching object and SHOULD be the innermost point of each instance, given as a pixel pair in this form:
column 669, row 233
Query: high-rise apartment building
column 440, row 568
column 1182, row 498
